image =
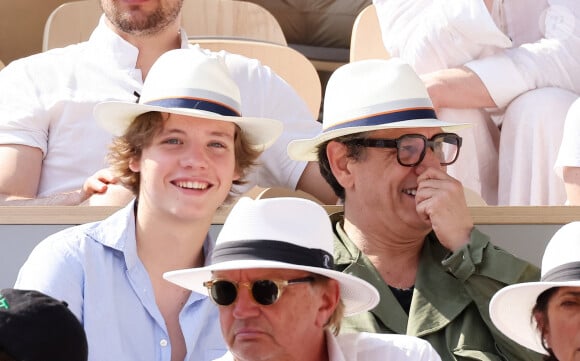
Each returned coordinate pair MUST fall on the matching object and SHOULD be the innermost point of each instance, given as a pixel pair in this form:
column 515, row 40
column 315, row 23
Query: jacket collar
column 438, row 297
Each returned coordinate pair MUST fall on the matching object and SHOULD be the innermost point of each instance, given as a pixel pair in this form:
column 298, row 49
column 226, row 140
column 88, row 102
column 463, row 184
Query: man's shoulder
column 392, row 346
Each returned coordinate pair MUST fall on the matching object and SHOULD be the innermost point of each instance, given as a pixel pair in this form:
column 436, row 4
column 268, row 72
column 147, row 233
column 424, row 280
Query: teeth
column 411, row 192
column 192, row 185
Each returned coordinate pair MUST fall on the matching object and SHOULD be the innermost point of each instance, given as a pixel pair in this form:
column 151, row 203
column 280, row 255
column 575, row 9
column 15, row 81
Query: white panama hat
column 511, row 307
column 189, row 82
column 286, row 233
column 370, row 95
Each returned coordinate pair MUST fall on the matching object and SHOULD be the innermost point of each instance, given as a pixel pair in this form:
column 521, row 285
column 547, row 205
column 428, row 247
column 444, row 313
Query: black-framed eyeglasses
column 264, row 292
column 411, row 148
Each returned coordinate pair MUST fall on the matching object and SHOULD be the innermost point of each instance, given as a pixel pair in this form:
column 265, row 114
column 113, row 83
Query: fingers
column 440, row 198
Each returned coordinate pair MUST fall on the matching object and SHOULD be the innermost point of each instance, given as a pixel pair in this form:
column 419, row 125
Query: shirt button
column 163, row 343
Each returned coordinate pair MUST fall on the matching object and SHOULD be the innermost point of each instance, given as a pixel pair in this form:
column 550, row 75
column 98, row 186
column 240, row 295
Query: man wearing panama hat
column 52, row 149
column 545, row 316
column 179, row 149
column 406, row 227
column 279, row 298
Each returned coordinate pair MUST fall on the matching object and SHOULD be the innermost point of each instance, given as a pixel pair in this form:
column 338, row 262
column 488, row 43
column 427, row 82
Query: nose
column 194, row 157
column 431, row 160
column 245, row 306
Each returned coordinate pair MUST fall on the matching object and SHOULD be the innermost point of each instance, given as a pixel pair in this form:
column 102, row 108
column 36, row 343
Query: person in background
column 180, row 150
column 509, row 65
column 53, row 151
column 544, row 316
column 406, row 227
column 568, row 163
column 37, row 327
column 272, row 277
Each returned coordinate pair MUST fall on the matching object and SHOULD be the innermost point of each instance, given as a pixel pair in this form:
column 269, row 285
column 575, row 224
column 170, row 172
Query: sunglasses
column 411, row 148
column 264, row 292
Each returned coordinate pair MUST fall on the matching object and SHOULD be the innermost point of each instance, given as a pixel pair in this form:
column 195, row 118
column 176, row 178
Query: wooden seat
column 231, row 19
column 288, row 63
column 275, row 192
column 472, row 198
column 366, row 41
column 73, row 22
column 70, row 23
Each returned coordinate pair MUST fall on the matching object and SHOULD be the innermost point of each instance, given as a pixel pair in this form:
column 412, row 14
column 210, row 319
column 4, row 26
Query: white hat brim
column 116, row 116
column 307, row 149
column 357, row 295
column 511, row 308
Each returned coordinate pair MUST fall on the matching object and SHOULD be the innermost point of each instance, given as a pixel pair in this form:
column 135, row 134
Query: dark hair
column 540, row 310
column 354, row 151
column 139, row 135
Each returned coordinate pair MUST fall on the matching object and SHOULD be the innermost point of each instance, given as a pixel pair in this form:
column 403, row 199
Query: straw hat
column 511, row 307
column 370, row 95
column 189, row 82
column 287, row 233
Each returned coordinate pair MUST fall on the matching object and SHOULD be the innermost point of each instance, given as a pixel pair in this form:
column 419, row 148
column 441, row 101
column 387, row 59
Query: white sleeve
column 23, row 116
column 552, row 61
column 265, row 94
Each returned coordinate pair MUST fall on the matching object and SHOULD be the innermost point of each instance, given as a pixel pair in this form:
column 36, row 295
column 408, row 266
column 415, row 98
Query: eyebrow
column 214, row 133
column 570, row 293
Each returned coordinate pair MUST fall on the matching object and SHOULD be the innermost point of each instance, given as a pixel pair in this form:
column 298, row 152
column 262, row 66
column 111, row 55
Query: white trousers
column 569, row 155
column 531, row 134
column 476, row 166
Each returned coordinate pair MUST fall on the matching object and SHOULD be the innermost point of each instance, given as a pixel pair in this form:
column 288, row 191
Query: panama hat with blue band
column 193, row 83
column 370, row 95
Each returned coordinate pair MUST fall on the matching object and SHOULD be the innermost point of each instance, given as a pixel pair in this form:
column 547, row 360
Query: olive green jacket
column 450, row 304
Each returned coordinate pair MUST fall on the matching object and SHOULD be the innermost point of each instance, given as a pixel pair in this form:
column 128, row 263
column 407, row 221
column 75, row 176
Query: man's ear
column 330, row 297
column 339, row 161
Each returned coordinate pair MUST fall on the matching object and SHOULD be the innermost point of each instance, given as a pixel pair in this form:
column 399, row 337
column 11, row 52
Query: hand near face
column 441, row 202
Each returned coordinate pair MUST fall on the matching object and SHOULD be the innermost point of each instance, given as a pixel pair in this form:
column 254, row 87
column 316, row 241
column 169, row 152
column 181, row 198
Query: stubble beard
column 139, row 23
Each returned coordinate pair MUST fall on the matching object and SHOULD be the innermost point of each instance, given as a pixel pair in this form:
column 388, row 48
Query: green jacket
column 450, row 304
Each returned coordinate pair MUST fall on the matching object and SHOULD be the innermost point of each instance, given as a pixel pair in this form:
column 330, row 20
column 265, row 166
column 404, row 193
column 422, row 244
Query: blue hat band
column 387, row 118
column 197, row 104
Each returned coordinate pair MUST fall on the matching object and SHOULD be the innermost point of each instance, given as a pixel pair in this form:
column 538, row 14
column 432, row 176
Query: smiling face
column 255, row 332
column 378, row 183
column 141, row 17
column 188, row 168
column 561, row 323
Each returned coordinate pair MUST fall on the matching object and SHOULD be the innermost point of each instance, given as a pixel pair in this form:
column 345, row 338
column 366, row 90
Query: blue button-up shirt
column 96, row 270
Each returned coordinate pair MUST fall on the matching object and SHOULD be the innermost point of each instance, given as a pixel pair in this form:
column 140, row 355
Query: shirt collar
column 113, row 48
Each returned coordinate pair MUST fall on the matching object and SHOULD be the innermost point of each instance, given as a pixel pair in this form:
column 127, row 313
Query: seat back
column 232, row 19
column 366, row 41
column 288, row 63
column 70, row 23
column 73, row 22
column 275, row 192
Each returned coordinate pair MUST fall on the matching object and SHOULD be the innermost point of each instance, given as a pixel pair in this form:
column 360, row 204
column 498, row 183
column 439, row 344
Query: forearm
column 457, row 88
column 62, row 199
column 485, row 269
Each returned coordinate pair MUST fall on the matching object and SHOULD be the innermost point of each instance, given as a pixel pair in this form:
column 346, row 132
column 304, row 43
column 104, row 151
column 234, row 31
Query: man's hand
column 457, row 88
column 102, row 189
column 440, row 200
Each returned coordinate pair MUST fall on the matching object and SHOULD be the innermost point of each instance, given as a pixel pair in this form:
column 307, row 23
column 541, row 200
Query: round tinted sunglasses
column 264, row 292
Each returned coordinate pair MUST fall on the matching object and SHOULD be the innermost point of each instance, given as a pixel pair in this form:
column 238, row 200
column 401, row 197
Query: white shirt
column 364, row 346
column 521, row 45
column 47, row 100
